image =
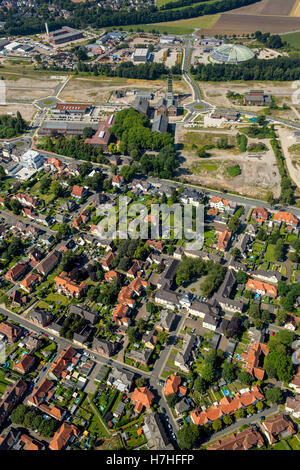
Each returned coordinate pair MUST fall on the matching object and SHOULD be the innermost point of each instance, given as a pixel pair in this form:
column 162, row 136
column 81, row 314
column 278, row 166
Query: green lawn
column 176, row 27
column 293, row 39
column 269, row 254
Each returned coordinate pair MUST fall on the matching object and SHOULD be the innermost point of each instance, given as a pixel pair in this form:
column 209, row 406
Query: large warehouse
column 231, row 54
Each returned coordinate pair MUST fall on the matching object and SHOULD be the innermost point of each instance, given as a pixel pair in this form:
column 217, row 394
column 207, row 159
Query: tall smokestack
column 47, row 29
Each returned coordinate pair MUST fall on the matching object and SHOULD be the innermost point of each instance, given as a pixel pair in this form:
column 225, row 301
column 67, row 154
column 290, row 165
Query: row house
column 261, row 288
column 29, row 282
column 227, row 406
column 67, row 360
column 68, row 287
column 287, row 218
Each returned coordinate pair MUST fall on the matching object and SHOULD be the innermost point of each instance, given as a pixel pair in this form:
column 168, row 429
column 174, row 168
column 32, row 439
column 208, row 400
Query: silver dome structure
column 231, row 54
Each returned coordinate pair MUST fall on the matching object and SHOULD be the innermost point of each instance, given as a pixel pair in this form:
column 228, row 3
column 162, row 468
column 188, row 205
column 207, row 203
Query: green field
column 293, row 39
column 176, row 27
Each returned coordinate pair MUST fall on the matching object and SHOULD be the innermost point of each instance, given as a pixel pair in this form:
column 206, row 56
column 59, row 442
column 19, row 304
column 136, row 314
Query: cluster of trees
column 31, row 418
column 259, row 316
column 162, row 165
column 286, row 186
column 72, row 324
column 10, row 249
column 190, row 269
column 279, row 69
column 74, row 147
column 133, row 130
column 91, row 15
column 68, row 261
column 278, row 363
column 13, row 205
column 288, row 294
column 274, row 41
column 11, row 126
column 129, row 250
column 233, row 224
column 242, row 142
column 105, row 294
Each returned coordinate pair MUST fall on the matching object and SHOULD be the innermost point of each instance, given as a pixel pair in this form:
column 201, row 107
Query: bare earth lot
column 27, row 110
column 259, row 172
column 282, row 92
column 274, row 16
column 100, row 90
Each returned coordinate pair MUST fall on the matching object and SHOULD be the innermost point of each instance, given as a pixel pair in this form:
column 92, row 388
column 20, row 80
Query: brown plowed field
column 268, row 7
column 266, row 16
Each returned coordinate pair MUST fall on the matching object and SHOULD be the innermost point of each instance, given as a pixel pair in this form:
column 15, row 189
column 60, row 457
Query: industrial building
column 141, row 55
column 53, row 128
column 102, row 135
column 65, row 34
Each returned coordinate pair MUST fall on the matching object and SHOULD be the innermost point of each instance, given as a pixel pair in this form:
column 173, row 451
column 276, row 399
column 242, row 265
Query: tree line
column 279, row 69
column 87, row 15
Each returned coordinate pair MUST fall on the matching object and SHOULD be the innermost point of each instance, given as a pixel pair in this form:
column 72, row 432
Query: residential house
column 149, row 339
column 245, row 440
column 183, row 356
column 172, row 384
column 67, row 360
column 63, row 436
column 78, row 192
column 49, row 263
column 223, row 205
column 25, row 364
column 287, row 218
column 30, row 281
column 142, row 398
column 40, row 316
column 277, row 427
column 120, row 379
column 11, row 331
column 68, row 287
column 261, row 288
column 11, row 397
column 226, row 406
column 292, row 406
column 166, row 321
column 260, row 214
column 254, row 359
column 155, row 432
column 294, row 383
column 16, row 272
column 104, row 347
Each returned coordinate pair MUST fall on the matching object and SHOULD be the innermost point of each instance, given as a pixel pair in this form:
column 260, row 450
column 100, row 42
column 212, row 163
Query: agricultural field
column 293, row 39
column 274, row 16
column 178, row 27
